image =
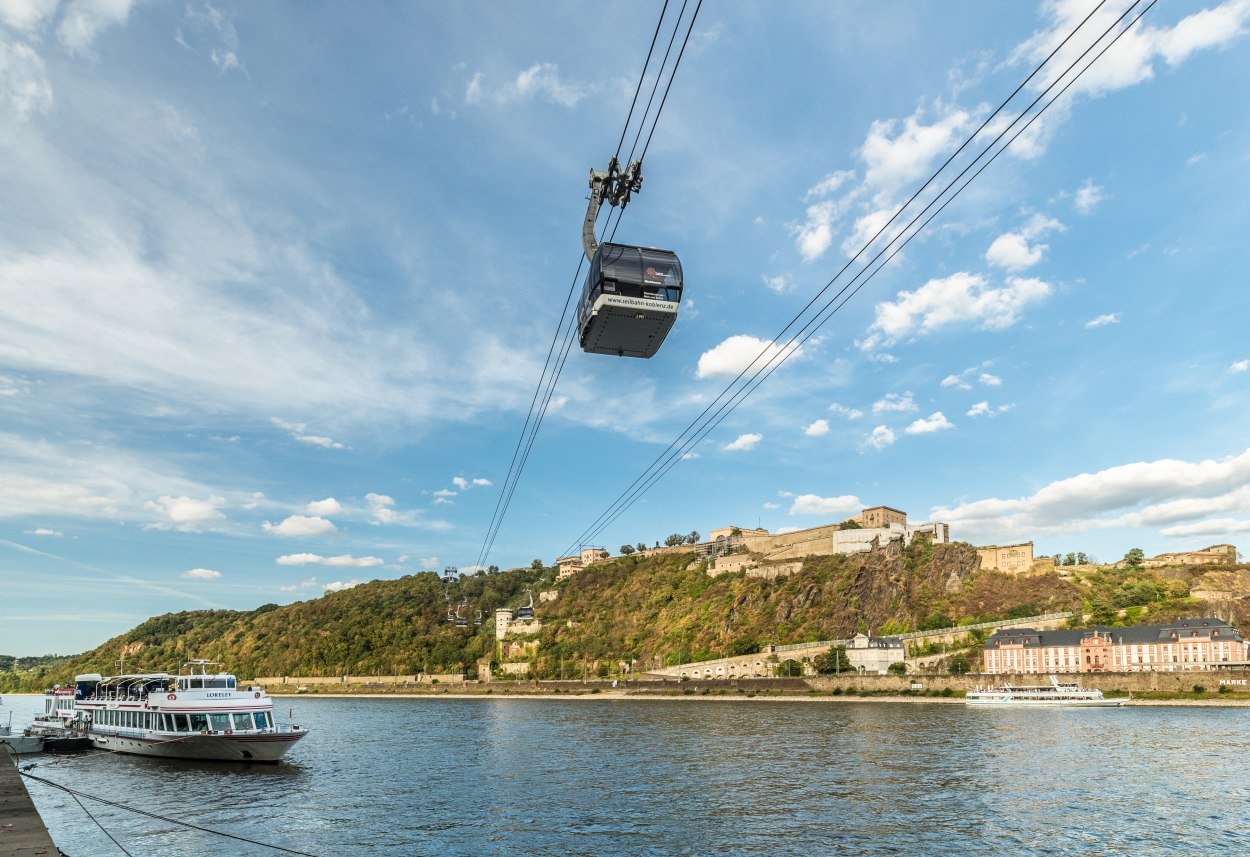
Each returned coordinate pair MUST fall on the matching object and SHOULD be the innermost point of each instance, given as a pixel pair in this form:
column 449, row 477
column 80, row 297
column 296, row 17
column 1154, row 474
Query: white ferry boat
column 1055, row 693
column 199, row 715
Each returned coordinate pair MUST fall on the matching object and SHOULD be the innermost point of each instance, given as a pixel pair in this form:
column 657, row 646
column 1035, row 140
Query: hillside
column 657, row 609
column 385, row 626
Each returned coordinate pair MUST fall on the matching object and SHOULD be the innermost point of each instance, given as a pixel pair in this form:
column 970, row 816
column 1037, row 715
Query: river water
column 687, row 776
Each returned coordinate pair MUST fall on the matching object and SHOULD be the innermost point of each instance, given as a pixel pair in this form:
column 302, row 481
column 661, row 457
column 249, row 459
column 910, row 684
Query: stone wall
column 419, row 678
column 1132, row 682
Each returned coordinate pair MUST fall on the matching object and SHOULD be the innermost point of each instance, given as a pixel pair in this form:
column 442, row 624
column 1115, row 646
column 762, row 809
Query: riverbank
column 810, row 697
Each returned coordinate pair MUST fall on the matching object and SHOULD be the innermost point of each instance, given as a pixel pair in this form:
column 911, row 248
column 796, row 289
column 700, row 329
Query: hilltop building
column 567, row 566
column 1213, row 555
column 1187, row 644
column 1012, row 559
column 880, row 517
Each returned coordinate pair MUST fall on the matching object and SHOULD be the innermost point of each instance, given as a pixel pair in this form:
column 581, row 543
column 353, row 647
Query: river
column 686, row 776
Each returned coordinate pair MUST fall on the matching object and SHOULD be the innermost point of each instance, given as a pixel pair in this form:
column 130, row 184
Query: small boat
column 1056, row 693
column 197, row 714
column 21, row 743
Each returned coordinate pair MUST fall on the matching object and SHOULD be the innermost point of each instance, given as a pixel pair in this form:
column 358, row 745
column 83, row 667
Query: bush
column 1225, row 689
column 790, row 669
column 1199, row 689
column 837, row 691
column 897, row 668
column 946, row 691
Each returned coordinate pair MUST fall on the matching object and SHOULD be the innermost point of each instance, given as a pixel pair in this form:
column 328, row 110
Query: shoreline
column 617, row 696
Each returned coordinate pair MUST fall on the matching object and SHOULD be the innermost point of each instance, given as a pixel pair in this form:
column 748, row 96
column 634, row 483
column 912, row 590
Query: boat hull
column 22, row 745
column 1046, row 703
column 213, row 748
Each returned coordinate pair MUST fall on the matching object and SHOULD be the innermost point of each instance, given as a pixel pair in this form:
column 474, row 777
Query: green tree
column 743, row 646
column 537, row 565
column 897, row 668
column 849, row 525
column 626, row 550
column 959, row 665
column 674, row 540
column 1102, row 611
column 642, row 546
column 1081, row 558
column 833, row 661
column 1070, row 559
column 790, row 669
column 1135, row 557
column 693, row 538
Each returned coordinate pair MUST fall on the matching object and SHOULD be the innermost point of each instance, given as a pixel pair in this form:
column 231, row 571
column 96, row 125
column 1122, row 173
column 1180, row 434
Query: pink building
column 1187, row 644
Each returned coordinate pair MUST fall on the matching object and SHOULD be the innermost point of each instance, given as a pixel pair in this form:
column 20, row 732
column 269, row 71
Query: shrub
column 1199, row 689
column 946, row 691
column 837, row 691
column 790, row 669
column 1225, row 689
column 897, row 668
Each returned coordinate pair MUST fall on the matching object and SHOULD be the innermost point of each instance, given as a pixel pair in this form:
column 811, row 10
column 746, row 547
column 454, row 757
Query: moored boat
column 193, row 715
column 1056, row 693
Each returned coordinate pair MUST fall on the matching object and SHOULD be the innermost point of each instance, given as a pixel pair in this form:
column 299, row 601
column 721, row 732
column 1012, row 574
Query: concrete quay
column 22, row 832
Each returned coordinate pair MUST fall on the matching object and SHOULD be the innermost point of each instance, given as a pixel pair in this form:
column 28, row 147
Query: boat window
column 180, row 723
column 197, row 683
column 220, row 722
column 230, row 682
column 199, row 722
column 259, row 718
column 219, row 683
column 242, row 721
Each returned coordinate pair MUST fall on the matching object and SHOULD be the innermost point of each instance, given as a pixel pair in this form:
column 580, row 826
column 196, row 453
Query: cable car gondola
column 528, row 611
column 632, row 294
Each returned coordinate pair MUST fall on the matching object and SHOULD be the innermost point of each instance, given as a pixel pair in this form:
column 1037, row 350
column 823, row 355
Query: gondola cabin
column 630, row 300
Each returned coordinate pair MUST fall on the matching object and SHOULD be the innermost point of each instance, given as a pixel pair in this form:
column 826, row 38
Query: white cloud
column 306, row 583
column 481, row 482
column 1018, row 250
column 988, row 380
column 1194, row 160
column 1087, row 197
column 935, row 422
column 301, row 525
column 445, row 492
column 843, row 411
column 24, row 86
column 326, row 507
column 429, row 563
column 341, row 561
column 83, row 20
column 817, row 429
column 945, row 301
column 44, row 531
column 382, row 508
column 736, row 353
column 778, row 284
column 340, row 585
column 772, row 506
column 298, row 431
column 892, row 402
column 897, row 153
column 880, row 438
column 201, row 574
column 956, row 381
column 541, row 81
column 1145, row 494
column 690, row 456
column 186, row 513
column 1211, row 527
column 744, row 442
column 26, row 14
column 443, row 501
column 1239, row 366
column 829, row 184
column 983, row 409
column 813, row 504
column 460, row 482
column 1103, row 320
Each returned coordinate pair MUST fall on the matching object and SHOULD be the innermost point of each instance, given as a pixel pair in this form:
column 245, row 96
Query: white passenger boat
column 20, row 743
column 1053, row 694
column 196, row 715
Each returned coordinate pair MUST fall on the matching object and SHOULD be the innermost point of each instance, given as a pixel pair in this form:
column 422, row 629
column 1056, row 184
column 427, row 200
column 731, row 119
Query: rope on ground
column 76, row 793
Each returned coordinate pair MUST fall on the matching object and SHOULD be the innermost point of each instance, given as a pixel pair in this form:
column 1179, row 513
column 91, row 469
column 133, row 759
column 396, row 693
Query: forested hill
column 385, row 626
column 661, row 608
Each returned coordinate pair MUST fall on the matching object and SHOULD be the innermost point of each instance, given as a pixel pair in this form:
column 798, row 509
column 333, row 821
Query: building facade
column 1187, row 644
column 876, row 517
column 860, row 540
column 873, row 655
column 1012, row 559
column 1213, row 555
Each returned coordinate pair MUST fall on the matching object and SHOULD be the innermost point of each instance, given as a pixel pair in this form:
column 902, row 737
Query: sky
column 277, row 282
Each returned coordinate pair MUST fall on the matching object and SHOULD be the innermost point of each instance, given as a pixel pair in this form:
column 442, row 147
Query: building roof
column 887, row 508
column 1004, row 547
column 1136, row 635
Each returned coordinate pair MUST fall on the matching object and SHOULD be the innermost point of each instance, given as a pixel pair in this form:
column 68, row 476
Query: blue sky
column 277, row 282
